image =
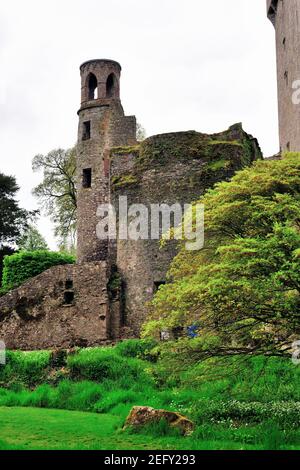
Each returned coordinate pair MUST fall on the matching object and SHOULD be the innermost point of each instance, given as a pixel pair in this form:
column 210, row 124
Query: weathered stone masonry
column 102, row 114
column 38, row 315
column 103, row 297
column 169, row 168
column 285, row 16
column 65, row 306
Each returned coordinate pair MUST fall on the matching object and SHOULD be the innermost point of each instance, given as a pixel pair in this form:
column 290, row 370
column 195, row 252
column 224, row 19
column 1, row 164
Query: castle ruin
column 103, row 297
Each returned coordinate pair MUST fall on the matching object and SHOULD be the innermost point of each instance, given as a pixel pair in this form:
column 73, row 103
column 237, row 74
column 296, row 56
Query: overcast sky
column 193, row 64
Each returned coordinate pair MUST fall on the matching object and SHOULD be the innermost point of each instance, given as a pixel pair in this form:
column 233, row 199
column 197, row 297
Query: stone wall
column 285, row 15
column 168, row 168
column 104, row 296
column 90, row 303
column 63, row 307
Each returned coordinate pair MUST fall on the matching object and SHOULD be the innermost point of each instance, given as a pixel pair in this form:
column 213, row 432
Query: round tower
column 100, row 81
column 102, row 125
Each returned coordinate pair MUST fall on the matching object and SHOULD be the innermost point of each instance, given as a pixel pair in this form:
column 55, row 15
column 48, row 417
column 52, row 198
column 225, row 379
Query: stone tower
column 105, row 295
column 285, row 16
column 102, row 125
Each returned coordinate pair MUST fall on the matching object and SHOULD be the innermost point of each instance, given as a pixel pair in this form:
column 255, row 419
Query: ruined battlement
column 168, row 168
column 104, row 295
column 63, row 307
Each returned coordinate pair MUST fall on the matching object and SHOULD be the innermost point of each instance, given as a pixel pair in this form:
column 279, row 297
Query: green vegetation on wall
column 221, row 155
column 242, row 290
column 123, row 181
column 22, row 266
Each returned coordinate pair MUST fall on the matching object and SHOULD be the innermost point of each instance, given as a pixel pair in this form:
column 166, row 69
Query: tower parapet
column 100, row 81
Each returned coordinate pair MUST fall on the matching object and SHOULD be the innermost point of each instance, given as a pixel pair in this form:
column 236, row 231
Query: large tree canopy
column 32, row 240
column 13, row 219
column 57, row 192
column 243, row 289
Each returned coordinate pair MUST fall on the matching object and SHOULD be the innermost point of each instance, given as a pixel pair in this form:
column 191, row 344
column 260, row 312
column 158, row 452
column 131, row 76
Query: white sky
column 193, row 64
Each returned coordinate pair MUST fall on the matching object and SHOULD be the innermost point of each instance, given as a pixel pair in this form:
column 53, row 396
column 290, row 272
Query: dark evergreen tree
column 13, row 219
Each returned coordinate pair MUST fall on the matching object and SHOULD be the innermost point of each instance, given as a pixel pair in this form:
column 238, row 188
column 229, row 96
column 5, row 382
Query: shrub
column 23, row 368
column 4, row 251
column 113, row 399
column 22, row 266
column 283, row 413
column 245, row 266
column 255, row 379
column 101, row 364
column 77, row 396
column 140, row 348
column 43, row 397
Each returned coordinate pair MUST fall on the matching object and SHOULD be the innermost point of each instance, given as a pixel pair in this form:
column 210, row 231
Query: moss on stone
column 123, row 180
column 160, row 150
column 126, row 150
column 224, row 152
column 163, row 149
column 225, row 142
column 114, row 283
column 217, row 165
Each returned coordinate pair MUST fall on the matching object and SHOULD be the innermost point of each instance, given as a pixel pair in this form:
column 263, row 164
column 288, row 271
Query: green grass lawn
column 38, row 429
column 82, row 403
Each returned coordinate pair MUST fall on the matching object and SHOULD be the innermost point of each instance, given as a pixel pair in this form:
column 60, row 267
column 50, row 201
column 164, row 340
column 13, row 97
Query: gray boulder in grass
column 142, row 415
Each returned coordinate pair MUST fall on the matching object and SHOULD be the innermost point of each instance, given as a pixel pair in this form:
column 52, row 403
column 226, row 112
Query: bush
column 140, row 348
column 114, row 398
column 282, row 413
column 4, row 251
column 253, row 379
column 101, row 364
column 23, row 368
column 22, row 266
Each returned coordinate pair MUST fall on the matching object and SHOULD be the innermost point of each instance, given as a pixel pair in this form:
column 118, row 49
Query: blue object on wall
column 192, row 331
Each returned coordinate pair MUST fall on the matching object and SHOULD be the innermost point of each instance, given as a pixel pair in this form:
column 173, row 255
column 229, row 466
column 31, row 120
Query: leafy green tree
column 32, row 240
column 4, row 251
column 57, row 192
column 140, row 132
column 20, row 267
column 243, row 289
column 13, row 219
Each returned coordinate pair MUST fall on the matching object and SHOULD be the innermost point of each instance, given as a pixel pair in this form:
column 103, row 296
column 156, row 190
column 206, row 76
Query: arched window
column 92, row 87
column 111, row 84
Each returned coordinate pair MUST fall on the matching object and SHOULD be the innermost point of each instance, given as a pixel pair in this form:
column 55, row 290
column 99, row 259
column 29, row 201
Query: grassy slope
column 38, row 429
column 254, row 405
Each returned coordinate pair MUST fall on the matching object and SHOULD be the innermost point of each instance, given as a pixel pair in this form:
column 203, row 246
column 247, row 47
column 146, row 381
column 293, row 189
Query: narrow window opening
column 92, row 87
column 86, row 135
column 177, row 332
column 87, row 178
column 110, row 86
column 157, row 285
column 69, row 284
column 288, row 146
column 284, row 42
column 286, row 77
column 68, row 298
column 273, row 11
column 274, row 5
